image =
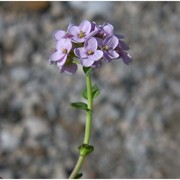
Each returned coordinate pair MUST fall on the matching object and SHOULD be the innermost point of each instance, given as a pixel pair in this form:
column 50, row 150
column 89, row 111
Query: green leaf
column 80, row 105
column 84, row 93
column 95, row 91
column 87, row 70
column 78, row 176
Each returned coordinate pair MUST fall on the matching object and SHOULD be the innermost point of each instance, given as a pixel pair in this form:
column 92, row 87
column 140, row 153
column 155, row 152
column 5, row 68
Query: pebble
column 36, row 126
column 9, row 140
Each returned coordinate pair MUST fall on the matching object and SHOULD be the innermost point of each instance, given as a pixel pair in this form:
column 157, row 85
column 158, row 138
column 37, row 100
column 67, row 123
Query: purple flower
column 68, row 67
column 89, row 53
column 123, row 54
column 63, row 47
column 82, row 32
column 97, row 64
column 106, row 30
column 108, row 46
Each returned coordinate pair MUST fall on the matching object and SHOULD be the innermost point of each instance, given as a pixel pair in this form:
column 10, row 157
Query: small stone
column 9, row 140
column 36, row 126
column 19, row 74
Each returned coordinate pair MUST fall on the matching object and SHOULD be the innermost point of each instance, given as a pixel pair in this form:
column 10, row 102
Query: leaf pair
column 95, row 92
column 80, row 105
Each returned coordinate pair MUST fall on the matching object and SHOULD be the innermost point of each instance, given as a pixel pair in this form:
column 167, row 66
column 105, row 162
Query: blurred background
column 136, row 125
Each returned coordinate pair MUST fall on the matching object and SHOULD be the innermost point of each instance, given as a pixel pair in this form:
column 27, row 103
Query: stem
column 77, row 167
column 87, row 128
column 88, row 113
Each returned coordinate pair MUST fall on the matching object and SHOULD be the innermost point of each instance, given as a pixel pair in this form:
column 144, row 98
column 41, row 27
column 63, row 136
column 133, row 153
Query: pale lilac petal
column 59, row 44
column 111, row 41
column 100, row 42
column 59, row 34
column 69, row 68
column 80, row 52
column 108, row 28
column 56, row 56
column 106, row 57
column 87, row 62
column 73, row 30
column 67, row 45
column 97, row 55
column 85, row 26
column 91, row 44
column 113, row 54
column 70, row 24
column 123, row 45
column 76, row 39
column 91, row 34
column 126, row 58
column 62, row 61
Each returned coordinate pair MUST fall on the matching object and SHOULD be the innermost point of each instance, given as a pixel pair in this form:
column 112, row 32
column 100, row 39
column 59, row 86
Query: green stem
column 77, row 167
column 88, row 113
column 87, row 128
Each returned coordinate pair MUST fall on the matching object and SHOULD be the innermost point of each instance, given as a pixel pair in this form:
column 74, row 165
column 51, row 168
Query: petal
column 73, row 30
column 123, row 45
column 94, row 27
column 126, row 58
column 113, row 54
column 56, row 56
column 69, row 68
column 100, row 42
column 91, row 44
column 80, row 52
column 106, row 57
column 59, row 44
column 67, row 45
column 62, row 60
column 76, row 39
column 59, row 34
column 111, row 41
column 85, row 26
column 87, row 62
column 97, row 55
column 70, row 24
column 108, row 28
column 91, row 34
column 97, row 64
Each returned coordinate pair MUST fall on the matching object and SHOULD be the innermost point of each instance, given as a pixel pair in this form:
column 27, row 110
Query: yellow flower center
column 81, row 34
column 90, row 52
column 105, row 48
column 64, row 51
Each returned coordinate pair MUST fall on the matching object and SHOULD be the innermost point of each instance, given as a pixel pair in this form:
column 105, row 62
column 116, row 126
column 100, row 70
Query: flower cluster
column 90, row 43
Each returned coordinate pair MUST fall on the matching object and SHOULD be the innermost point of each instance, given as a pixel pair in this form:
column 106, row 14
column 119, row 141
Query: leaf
column 87, row 70
column 80, row 105
column 95, row 91
column 78, row 176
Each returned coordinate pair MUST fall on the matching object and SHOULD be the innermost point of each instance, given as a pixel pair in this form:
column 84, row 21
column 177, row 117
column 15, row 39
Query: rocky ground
column 136, row 125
